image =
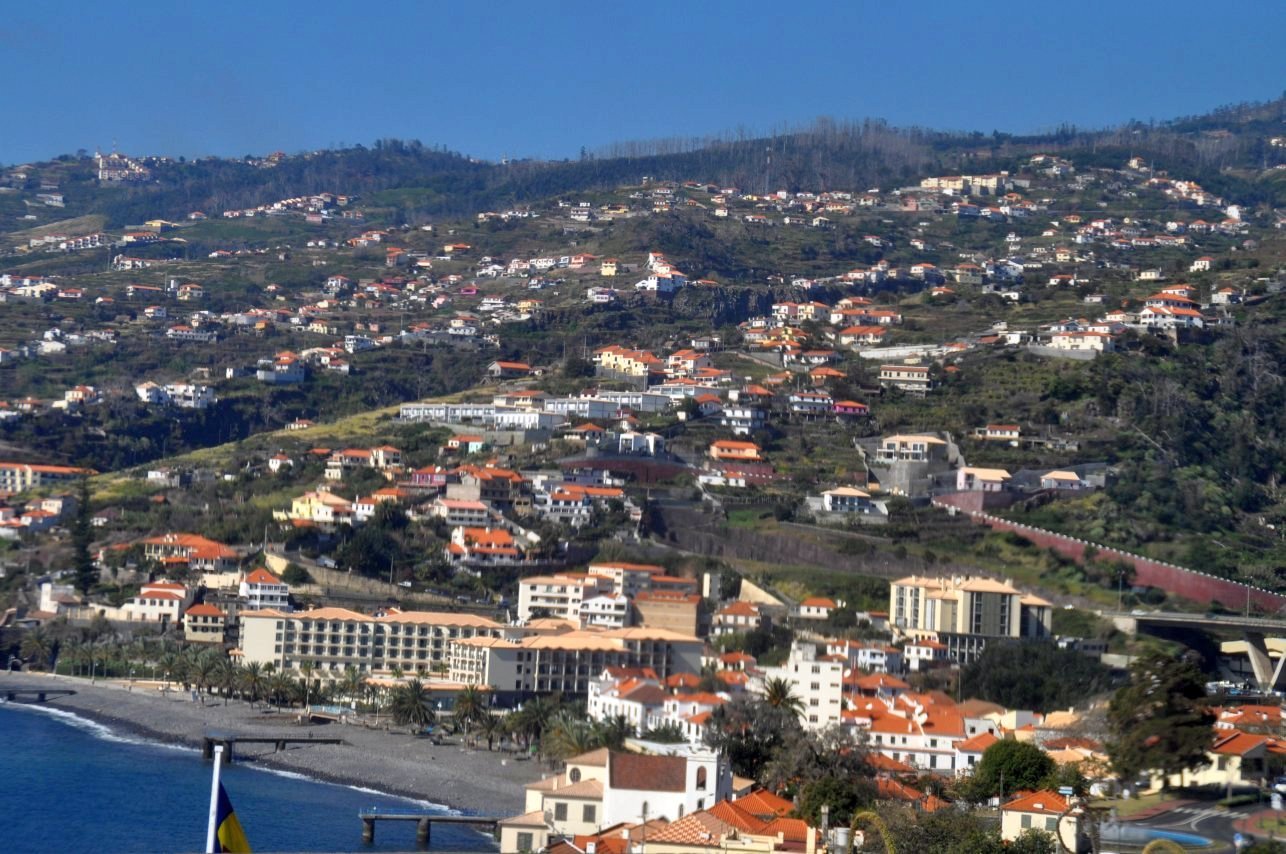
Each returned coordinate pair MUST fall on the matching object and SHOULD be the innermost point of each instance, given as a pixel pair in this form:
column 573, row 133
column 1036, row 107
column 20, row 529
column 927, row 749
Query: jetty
column 231, row 740
column 423, row 823
column 12, row 694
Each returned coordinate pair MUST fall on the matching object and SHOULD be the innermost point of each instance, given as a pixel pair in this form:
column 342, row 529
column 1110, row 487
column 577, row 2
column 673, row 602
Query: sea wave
column 107, row 733
column 93, row 727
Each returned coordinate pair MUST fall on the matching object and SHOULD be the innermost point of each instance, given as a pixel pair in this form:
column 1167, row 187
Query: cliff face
column 724, row 306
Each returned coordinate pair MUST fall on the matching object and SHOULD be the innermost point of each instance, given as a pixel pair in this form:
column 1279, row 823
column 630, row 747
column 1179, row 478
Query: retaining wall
column 1177, row 580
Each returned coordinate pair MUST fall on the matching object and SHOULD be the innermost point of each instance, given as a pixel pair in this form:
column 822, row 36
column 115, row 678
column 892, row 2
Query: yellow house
column 570, row 801
column 726, row 449
column 1237, row 758
column 319, row 508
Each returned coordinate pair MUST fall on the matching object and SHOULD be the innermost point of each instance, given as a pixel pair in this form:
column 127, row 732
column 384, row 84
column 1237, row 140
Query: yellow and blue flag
column 228, row 835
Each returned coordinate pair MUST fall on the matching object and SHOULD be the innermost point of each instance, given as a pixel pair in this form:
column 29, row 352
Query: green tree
column 778, row 694
column 667, row 733
column 750, row 732
column 491, row 728
column 569, row 735
column 1037, row 676
column 295, row 574
column 1160, row 721
column 411, row 704
column 470, row 706
column 82, row 560
column 1006, row 767
column 253, row 678
column 36, row 650
column 612, row 731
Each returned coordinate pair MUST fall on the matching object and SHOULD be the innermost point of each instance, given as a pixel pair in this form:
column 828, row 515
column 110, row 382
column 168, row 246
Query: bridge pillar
column 1267, row 675
column 422, row 833
column 368, row 831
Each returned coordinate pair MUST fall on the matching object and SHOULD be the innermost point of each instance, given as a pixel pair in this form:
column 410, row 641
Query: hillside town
column 755, row 520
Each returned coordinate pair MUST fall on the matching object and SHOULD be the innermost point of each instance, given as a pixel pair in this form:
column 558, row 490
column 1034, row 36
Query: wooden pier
column 279, row 742
column 423, row 823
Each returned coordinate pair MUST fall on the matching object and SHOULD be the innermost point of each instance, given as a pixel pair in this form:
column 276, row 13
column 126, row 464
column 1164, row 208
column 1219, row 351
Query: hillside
column 1229, row 149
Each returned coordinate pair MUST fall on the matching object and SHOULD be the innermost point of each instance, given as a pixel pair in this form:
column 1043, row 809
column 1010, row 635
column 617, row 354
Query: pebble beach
column 471, row 780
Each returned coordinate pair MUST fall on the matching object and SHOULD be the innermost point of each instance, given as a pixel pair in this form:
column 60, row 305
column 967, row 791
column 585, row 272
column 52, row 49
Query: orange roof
column 262, row 576
column 978, row 743
column 1044, row 802
column 764, row 804
column 888, row 764
column 739, row 609
column 204, row 610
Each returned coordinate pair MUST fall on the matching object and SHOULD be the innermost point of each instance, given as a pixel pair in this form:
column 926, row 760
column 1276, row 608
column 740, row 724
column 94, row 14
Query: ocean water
column 69, row 784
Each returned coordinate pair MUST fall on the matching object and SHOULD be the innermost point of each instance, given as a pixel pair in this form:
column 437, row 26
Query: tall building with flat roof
column 333, row 639
column 964, row 611
column 566, row 663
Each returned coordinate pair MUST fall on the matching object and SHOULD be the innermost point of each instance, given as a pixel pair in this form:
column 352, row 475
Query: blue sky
column 546, row 78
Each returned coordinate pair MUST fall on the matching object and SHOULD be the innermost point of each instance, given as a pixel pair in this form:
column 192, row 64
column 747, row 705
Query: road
column 1204, row 819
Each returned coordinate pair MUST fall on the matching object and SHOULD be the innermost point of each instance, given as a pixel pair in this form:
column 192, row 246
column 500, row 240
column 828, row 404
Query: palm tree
column 307, row 670
column 205, row 668
column 530, row 722
column 226, row 677
column 491, row 727
column 253, row 679
column 470, row 706
column 171, row 664
column 412, row 705
column 279, row 688
column 777, row 693
column 568, row 736
column 36, row 649
column 353, row 683
column 667, row 733
column 612, row 732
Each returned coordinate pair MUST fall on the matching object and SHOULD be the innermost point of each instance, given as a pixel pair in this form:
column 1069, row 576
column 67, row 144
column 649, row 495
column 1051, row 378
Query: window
column 589, row 813
column 1051, row 823
column 560, row 812
column 1026, row 822
column 525, row 842
column 701, row 779
column 574, row 775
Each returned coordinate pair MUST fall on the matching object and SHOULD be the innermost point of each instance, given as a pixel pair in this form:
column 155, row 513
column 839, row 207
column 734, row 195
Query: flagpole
column 210, row 841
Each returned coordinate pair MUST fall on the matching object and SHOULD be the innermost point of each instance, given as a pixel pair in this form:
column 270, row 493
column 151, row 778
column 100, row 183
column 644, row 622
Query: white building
column 605, row 788
column 261, row 589
column 157, row 602
column 560, row 595
column 818, row 684
column 609, row 611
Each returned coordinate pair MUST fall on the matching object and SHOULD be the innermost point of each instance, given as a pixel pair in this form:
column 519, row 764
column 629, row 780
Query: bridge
column 1263, row 638
column 1132, row 621
column 423, row 823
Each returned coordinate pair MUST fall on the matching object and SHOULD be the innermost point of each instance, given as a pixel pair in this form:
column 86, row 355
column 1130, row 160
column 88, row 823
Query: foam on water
column 106, row 733
column 93, row 727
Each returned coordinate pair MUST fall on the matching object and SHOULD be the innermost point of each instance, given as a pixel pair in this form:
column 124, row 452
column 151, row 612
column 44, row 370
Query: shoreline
column 448, row 777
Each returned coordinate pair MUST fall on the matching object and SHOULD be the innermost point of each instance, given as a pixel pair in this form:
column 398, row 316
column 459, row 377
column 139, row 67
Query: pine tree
column 85, row 573
column 1160, row 721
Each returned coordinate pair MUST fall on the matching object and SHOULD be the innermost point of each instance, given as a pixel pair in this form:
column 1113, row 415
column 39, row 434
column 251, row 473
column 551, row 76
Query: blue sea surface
column 68, row 784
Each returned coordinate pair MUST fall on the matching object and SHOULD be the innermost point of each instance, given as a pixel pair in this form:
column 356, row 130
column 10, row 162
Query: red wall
column 1187, row 583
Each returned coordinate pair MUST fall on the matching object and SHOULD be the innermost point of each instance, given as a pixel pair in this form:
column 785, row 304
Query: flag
column 228, row 835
